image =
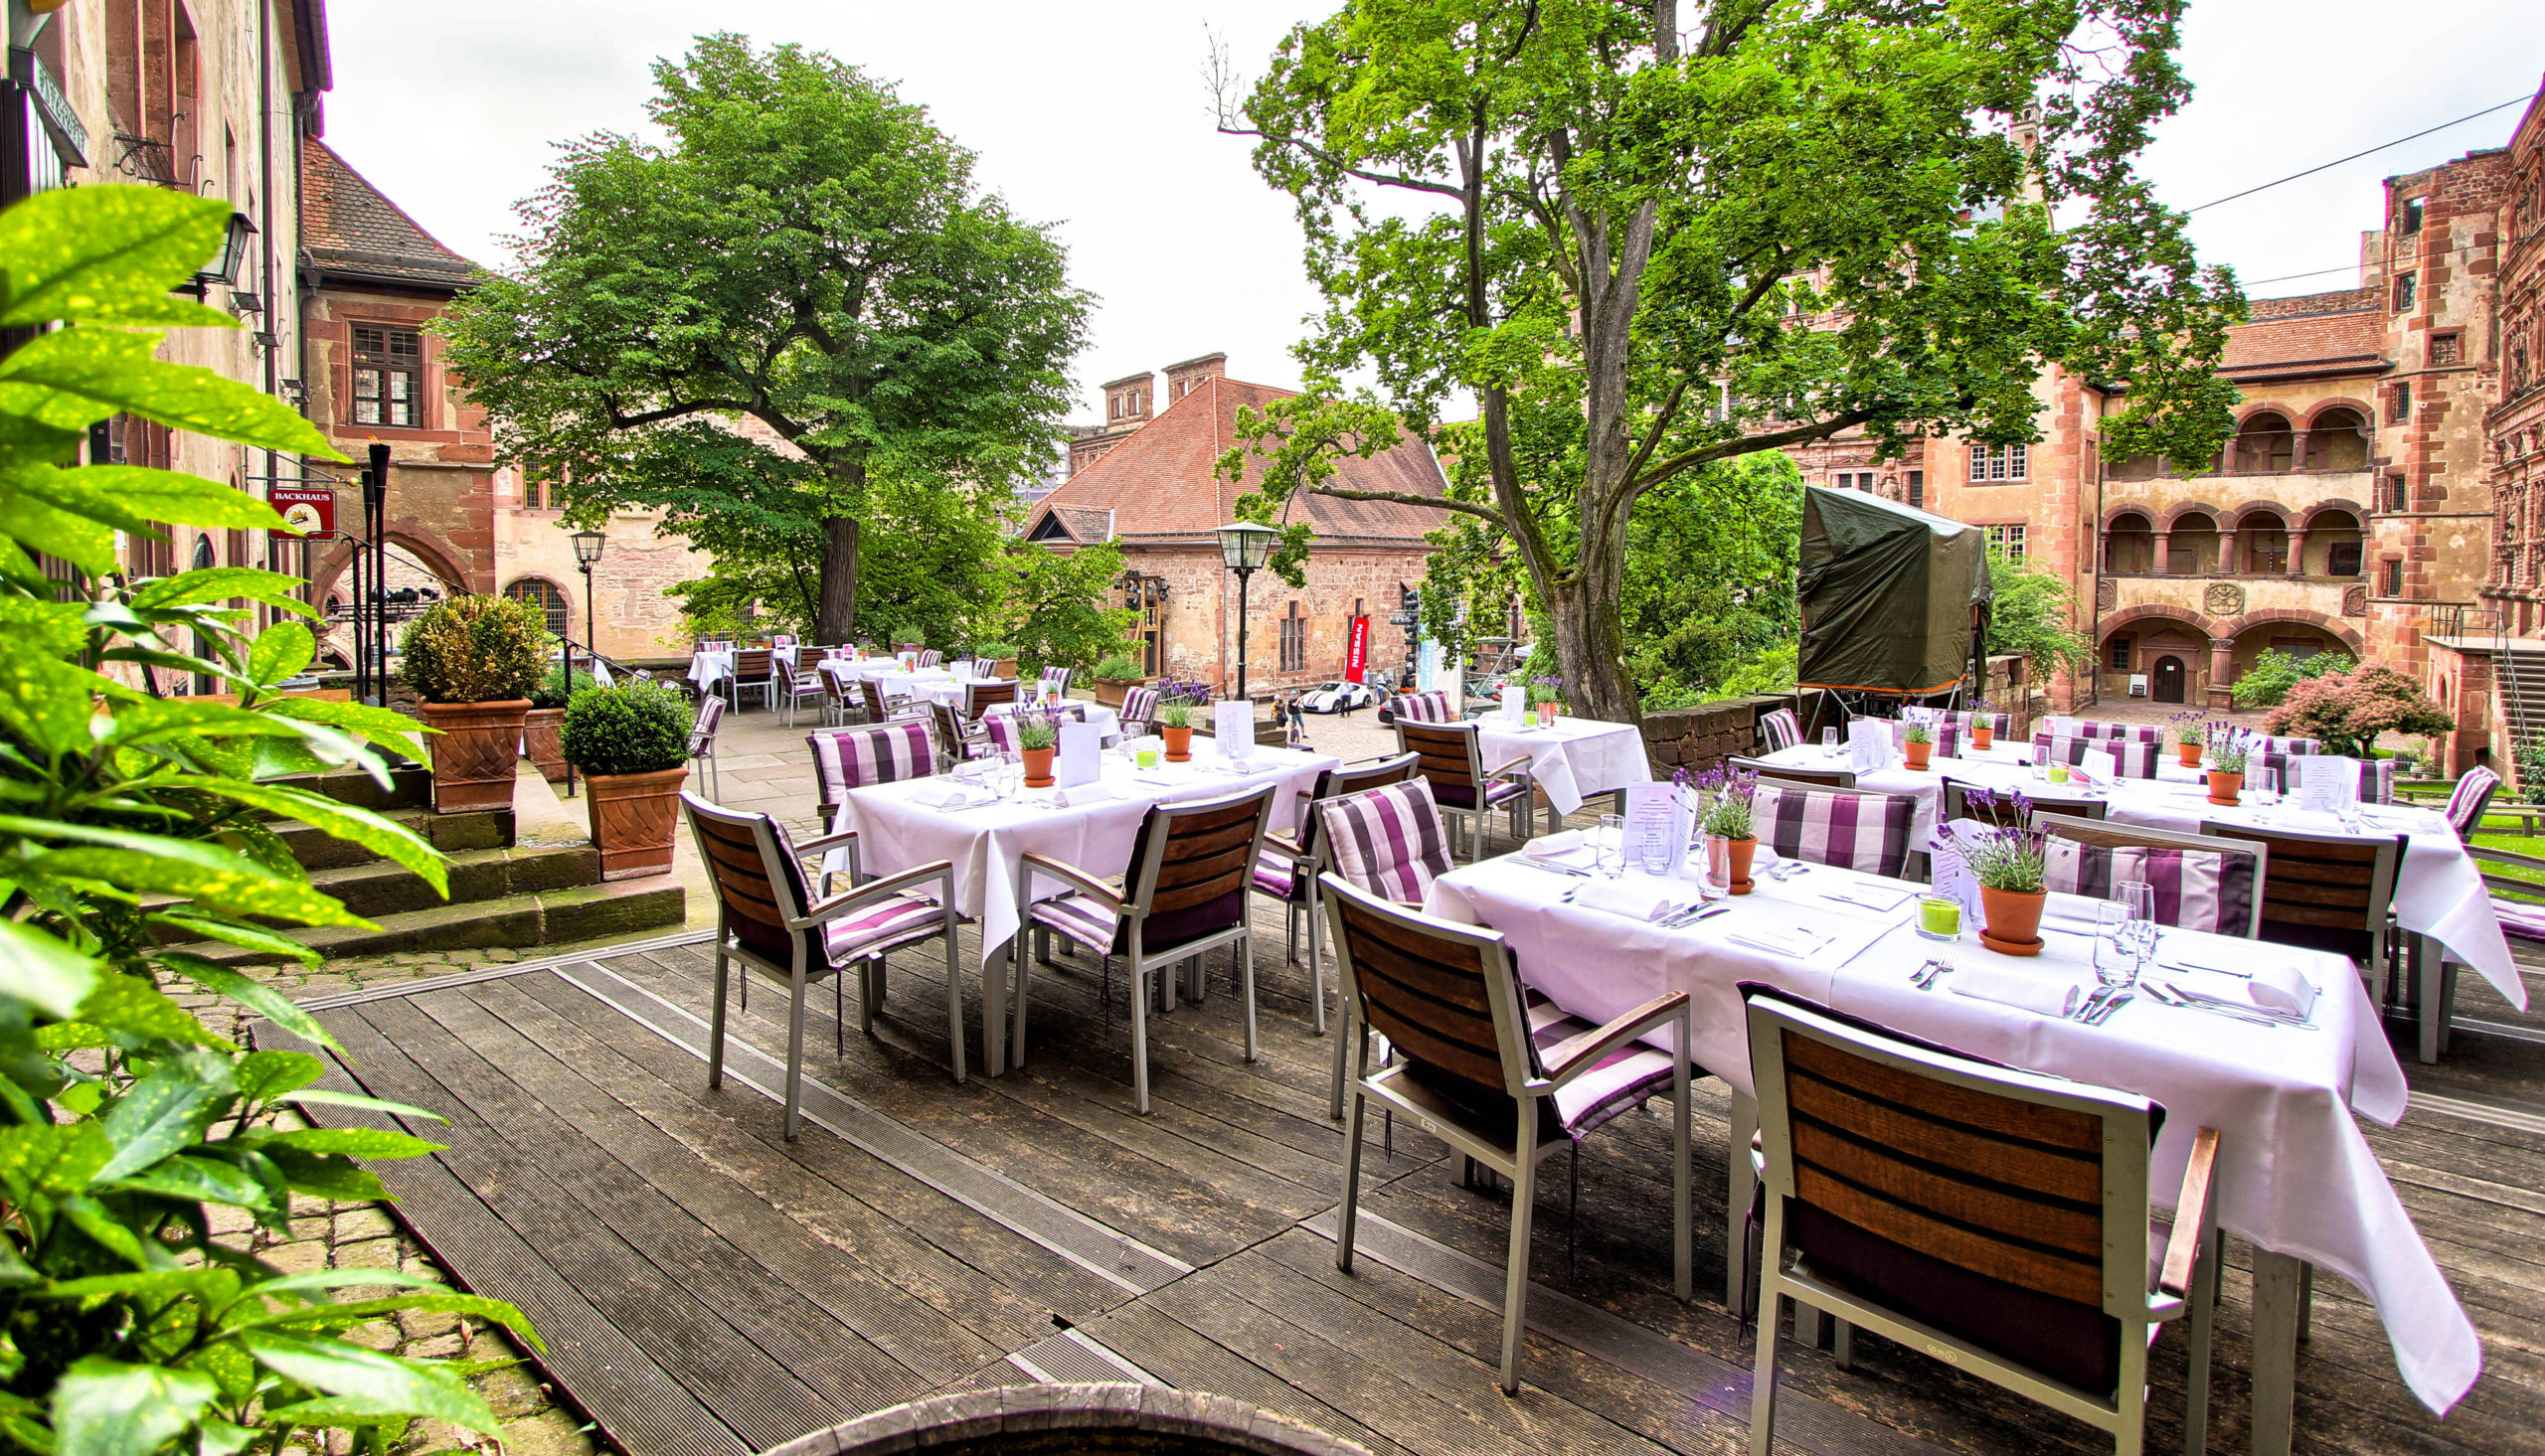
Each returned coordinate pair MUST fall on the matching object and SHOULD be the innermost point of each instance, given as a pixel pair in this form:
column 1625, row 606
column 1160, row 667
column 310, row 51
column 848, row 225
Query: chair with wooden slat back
column 1997, row 806
column 808, row 658
column 1451, row 758
column 1287, row 870
column 1993, row 1218
column 1502, row 1082
column 2325, row 891
column 1828, row 778
column 848, row 759
column 978, row 697
column 1184, row 894
column 766, row 920
column 753, row 673
column 839, row 702
column 2200, row 883
column 879, row 705
column 797, row 686
column 702, row 740
column 956, row 740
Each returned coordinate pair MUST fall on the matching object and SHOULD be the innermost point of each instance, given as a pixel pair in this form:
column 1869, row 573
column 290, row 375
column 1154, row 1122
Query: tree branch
column 1410, row 498
column 1661, row 418
column 1748, row 446
column 1382, row 179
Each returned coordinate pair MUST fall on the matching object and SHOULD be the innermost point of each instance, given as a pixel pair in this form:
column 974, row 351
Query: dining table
column 2299, row 1180
column 985, row 832
column 709, row 666
column 1570, row 759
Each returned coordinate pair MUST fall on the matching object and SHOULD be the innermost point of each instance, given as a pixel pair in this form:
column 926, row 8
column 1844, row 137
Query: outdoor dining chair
column 2271, row 745
column 2376, row 775
column 1431, row 706
column 979, row 697
column 837, row 699
column 702, row 740
column 999, row 726
column 768, row 922
column 1998, row 723
column 2200, row 881
column 1502, row 1089
column 1138, row 713
column 1389, row 842
column 808, row 657
column 796, row 686
column 1779, row 729
column 2336, row 893
column 1828, row 778
column 1184, row 895
column 2136, row 758
column 752, row 674
column 846, row 758
column 1956, row 804
column 1287, row 869
column 880, row 705
column 1056, row 681
column 2125, row 733
column 1852, row 829
column 956, row 740
column 1452, row 760
column 1996, row 1219
column 2468, row 801
column 929, row 656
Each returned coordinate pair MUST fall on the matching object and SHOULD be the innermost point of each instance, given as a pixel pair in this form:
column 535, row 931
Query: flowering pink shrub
column 2347, row 710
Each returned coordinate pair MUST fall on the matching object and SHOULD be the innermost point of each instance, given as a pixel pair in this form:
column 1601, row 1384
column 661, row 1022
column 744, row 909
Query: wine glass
column 2138, row 898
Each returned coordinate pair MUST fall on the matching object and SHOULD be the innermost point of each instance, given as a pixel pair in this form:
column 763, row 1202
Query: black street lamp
column 371, row 613
column 588, row 544
column 1245, row 547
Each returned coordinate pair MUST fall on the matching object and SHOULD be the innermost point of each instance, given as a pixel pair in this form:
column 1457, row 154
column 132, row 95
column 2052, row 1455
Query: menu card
column 1868, row 743
column 1655, row 817
column 1080, row 758
column 2327, row 784
column 1952, row 877
column 2101, row 766
column 1234, row 725
column 1515, row 702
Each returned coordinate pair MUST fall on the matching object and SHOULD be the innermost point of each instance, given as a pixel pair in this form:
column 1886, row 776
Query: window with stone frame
column 2444, row 349
column 1294, row 640
column 2007, row 539
column 2341, row 558
column 545, row 595
column 2000, row 462
column 2394, row 576
column 2407, row 290
column 389, row 376
column 2121, row 654
column 2399, row 402
column 1916, row 490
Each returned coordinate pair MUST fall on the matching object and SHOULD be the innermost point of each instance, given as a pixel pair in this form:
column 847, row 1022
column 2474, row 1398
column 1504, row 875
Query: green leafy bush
column 2347, row 710
column 552, row 690
column 135, row 825
column 475, row 649
column 995, row 651
column 2267, row 682
column 636, row 727
column 1120, row 668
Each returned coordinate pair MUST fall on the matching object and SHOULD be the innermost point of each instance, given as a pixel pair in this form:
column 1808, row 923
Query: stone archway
column 2136, row 640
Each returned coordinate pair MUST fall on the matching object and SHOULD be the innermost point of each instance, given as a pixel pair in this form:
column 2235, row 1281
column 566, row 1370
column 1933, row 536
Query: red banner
column 1356, row 657
column 309, row 510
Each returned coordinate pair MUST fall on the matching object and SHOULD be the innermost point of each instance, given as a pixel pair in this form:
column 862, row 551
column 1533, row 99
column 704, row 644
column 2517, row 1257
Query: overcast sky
column 1096, row 117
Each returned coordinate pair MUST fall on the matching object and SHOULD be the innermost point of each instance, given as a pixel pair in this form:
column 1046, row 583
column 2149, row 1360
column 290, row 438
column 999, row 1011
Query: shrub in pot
column 472, row 662
column 632, row 743
column 546, row 710
column 1113, row 677
column 1002, row 657
column 1175, row 726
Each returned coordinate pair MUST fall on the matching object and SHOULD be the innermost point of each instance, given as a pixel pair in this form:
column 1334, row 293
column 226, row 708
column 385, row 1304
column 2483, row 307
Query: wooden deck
column 706, row 1287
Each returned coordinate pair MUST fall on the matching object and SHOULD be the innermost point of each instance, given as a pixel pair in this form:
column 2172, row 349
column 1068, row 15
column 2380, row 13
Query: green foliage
column 552, row 690
column 635, row 727
column 1175, row 715
column 128, row 825
column 804, row 253
column 996, row 650
column 1057, row 605
column 1769, row 672
column 1037, row 730
column 2034, row 616
column 2267, row 682
column 1118, row 668
column 474, row 649
column 1599, row 232
column 2347, row 710
column 2529, row 756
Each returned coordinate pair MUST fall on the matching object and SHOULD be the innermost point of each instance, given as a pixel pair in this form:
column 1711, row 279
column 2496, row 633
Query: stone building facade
column 1151, row 489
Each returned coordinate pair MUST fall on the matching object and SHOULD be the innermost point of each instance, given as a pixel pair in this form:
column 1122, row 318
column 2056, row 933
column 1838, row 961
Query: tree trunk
column 837, row 618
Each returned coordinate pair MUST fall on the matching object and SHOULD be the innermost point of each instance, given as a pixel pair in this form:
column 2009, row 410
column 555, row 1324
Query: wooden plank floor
column 708, row 1287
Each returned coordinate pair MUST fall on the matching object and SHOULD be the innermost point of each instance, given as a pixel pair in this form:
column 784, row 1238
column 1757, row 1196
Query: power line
column 2356, row 156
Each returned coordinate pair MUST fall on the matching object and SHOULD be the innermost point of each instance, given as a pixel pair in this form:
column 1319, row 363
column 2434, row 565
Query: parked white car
column 1339, row 697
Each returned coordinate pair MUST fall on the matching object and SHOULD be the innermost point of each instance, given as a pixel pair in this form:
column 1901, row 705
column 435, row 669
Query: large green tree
column 1647, row 238
column 805, row 252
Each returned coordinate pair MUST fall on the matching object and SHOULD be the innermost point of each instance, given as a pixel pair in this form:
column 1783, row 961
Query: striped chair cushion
column 2196, row 890
column 1081, row 919
column 882, row 926
column 1779, row 729
column 2524, row 918
column 2473, row 791
column 2286, row 746
column 853, row 757
column 1277, row 874
column 1139, row 705
column 1462, row 796
column 930, row 657
column 1058, row 680
column 1943, row 738
column 1621, row 1082
column 1001, row 722
column 2377, row 781
column 1388, row 841
column 1433, row 707
column 1999, row 722
column 702, row 732
column 2137, row 760
column 1867, row 832
column 2126, row 733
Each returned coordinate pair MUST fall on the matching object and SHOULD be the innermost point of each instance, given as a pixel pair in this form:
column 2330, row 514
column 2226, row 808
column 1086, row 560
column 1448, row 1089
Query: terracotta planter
column 1743, row 850
column 1005, row 667
column 1038, row 767
column 2188, row 754
column 2223, row 787
column 2014, row 920
column 633, row 816
column 1918, row 753
column 1179, row 743
column 1981, row 737
column 476, row 754
column 1112, row 691
column 539, row 742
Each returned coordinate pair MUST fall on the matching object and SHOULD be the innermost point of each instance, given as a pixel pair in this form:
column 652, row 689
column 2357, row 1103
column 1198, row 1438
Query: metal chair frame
column 1522, row 807
column 735, row 685
column 795, row 683
column 1305, row 850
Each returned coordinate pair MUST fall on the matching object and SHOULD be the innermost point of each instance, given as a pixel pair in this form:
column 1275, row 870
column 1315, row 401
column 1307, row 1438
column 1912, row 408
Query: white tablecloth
column 2298, row 1178
column 707, row 669
column 2439, row 888
column 895, row 832
column 1104, row 718
column 1571, row 760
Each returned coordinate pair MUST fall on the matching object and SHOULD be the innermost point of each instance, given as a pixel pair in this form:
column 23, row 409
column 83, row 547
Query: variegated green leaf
column 220, row 583
column 256, row 995
column 381, row 836
column 42, row 971
column 104, row 1408
column 102, row 255
column 366, row 1382
column 137, row 498
column 280, row 652
column 77, row 377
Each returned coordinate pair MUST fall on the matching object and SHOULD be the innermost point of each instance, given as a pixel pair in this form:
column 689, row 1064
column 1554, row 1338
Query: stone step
column 479, row 829
column 382, row 888
column 519, row 922
column 411, row 786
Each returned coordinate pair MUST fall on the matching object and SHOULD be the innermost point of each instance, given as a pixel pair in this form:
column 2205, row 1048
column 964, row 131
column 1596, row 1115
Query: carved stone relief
column 2354, row 601
column 2224, row 599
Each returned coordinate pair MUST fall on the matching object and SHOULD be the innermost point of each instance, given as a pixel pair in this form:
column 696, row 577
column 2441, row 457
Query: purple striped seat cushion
column 1093, row 926
column 2196, row 890
column 1388, row 841
column 1621, row 1082
column 872, row 929
column 2291, row 745
column 1081, row 919
column 1433, row 707
column 2137, row 758
column 1781, row 728
column 2467, row 799
column 1463, row 795
column 1999, row 722
column 2520, row 918
column 853, row 757
column 1276, row 875
column 2127, row 732
column 1867, row 832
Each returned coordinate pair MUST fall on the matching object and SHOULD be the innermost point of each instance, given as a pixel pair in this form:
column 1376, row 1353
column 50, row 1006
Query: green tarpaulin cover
column 1887, row 595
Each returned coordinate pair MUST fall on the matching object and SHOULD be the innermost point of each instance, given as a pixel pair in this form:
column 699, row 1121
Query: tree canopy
column 808, row 261
column 1649, row 238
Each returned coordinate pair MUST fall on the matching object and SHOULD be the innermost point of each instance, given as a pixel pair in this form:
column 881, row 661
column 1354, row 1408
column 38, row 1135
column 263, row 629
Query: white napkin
column 943, row 793
column 1779, row 940
column 2075, row 917
column 1090, row 792
column 1637, row 899
column 2284, row 988
column 1868, row 897
column 2024, row 990
column 1554, row 846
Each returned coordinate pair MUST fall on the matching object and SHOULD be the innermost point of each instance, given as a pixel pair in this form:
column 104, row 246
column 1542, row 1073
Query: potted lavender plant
column 2226, row 764
column 1038, row 736
column 2191, row 734
column 2007, row 861
column 1724, row 824
column 1917, row 741
column 1546, row 695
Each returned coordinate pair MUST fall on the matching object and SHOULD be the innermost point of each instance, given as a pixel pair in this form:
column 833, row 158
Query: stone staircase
column 2518, row 677
column 519, row 877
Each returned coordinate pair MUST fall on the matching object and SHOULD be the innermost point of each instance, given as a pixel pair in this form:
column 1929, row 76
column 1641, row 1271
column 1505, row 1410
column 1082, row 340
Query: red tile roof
column 348, row 228
column 2347, row 331
column 1159, row 484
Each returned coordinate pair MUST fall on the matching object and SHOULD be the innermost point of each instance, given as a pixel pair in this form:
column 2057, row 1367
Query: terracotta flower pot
column 2223, row 787
column 2188, row 754
column 2014, row 920
column 1179, row 743
column 1743, row 850
column 1038, row 767
column 1005, row 667
column 539, row 742
column 633, row 816
column 1112, row 691
column 1918, row 753
column 475, row 756
column 1981, row 737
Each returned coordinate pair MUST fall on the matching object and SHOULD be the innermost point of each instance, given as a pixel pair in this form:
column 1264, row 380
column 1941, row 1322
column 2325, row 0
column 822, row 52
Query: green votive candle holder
column 2059, row 774
column 1938, row 920
column 1148, row 757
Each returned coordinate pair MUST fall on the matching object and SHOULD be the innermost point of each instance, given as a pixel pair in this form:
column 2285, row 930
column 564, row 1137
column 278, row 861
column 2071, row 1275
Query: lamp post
column 1244, row 547
column 370, row 642
column 588, row 544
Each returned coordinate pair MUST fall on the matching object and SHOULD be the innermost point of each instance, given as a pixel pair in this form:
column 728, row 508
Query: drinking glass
column 1655, row 855
column 1829, row 742
column 2115, row 957
column 2139, row 897
column 1610, row 850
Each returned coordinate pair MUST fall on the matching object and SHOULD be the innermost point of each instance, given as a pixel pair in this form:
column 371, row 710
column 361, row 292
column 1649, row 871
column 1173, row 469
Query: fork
column 2111, row 1004
column 2085, row 1015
